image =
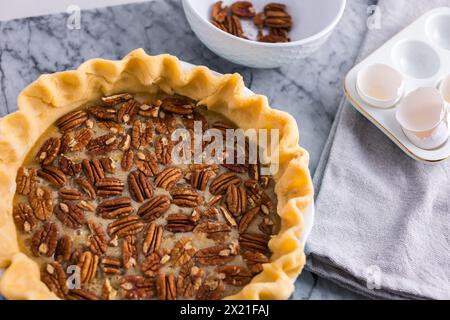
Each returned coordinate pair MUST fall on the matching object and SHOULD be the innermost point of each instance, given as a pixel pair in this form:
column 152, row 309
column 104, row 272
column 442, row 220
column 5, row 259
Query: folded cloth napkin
column 382, row 218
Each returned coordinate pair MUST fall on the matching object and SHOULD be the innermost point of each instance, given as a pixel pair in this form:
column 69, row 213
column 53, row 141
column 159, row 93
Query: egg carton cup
column 421, row 53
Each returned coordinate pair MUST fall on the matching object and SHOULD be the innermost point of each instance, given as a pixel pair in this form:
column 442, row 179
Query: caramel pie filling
column 107, row 213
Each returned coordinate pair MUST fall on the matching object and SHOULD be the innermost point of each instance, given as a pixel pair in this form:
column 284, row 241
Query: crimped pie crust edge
column 53, row 95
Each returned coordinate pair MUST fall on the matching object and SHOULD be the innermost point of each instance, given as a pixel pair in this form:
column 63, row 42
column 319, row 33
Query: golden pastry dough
column 51, row 96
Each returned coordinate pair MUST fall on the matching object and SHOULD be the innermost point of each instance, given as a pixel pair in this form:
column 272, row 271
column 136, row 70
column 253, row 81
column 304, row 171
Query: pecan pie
column 101, row 207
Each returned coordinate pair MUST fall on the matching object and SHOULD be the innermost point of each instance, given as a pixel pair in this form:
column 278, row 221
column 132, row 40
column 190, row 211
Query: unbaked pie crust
column 55, row 95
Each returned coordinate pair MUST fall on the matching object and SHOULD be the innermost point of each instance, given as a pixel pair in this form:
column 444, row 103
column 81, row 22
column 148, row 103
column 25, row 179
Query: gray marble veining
column 309, row 90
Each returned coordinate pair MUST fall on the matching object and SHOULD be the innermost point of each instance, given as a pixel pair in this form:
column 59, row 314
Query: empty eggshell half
column 416, row 59
column 380, row 85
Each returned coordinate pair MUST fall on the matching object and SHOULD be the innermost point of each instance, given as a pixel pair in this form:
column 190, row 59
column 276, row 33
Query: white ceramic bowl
column 314, row 20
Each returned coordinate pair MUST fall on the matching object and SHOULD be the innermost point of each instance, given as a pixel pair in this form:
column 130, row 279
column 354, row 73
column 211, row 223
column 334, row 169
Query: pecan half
column 247, row 219
column 213, row 230
column 41, row 202
column 111, row 265
column 70, row 194
column 81, row 294
column 273, row 38
column 256, row 195
column 69, row 167
column 254, row 242
column 216, row 255
column 236, row 199
column 154, row 208
column 215, row 200
column 125, row 227
column 228, row 216
column 280, row 32
column 49, row 151
column 108, row 164
column 220, row 184
column 127, row 160
column 44, row 240
column 182, row 252
column 129, row 252
column 111, row 126
column 125, row 143
column 185, row 197
column 102, row 113
column 274, row 6
column 88, row 264
column 211, row 289
column 254, row 260
column 211, row 212
column 163, row 149
column 128, row 111
column 93, row 170
column 219, row 12
column 150, row 111
column 139, row 186
column 137, row 287
column 178, row 105
column 74, row 141
column 109, row 187
column 26, row 180
column 276, row 16
column 154, row 262
column 152, row 239
column 243, row 9
column 87, row 187
column 115, row 208
column 166, row 287
column 235, row 275
column 24, row 217
column 179, row 222
column 165, row 123
column 69, row 214
column 71, row 120
column 234, row 26
column 53, row 175
column 55, row 278
column 97, row 239
column 141, row 134
column 200, row 177
column 189, row 281
column 167, row 178
column 63, row 249
column 86, row 206
column 147, row 163
column 117, row 98
column 103, row 144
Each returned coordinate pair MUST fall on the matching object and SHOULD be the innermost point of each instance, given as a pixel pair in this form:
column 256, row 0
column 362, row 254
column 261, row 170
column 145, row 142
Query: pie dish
column 87, row 182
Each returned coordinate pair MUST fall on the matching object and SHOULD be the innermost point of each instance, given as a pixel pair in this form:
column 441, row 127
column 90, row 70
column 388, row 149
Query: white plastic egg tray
column 421, row 52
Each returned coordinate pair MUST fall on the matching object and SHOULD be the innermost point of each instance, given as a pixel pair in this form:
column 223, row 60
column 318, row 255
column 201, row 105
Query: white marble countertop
column 310, row 90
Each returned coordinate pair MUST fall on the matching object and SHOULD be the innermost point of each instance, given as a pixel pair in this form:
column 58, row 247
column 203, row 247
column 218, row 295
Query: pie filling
column 104, row 210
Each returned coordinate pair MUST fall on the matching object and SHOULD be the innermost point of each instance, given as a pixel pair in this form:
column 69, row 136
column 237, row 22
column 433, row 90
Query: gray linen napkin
column 382, row 219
